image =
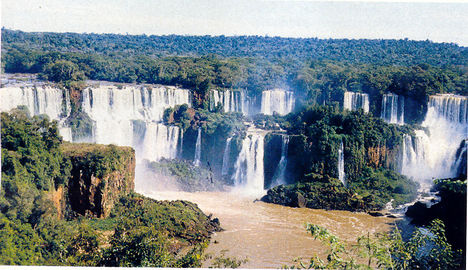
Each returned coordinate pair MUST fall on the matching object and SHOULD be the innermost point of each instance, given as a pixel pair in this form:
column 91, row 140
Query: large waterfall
column 434, row 155
column 249, row 175
column 393, row 109
column 232, row 101
column 341, row 173
column 126, row 116
column 277, row 100
column 227, row 151
column 115, row 111
column 40, row 99
column 197, row 156
column 279, row 175
column 354, row 101
column 160, row 141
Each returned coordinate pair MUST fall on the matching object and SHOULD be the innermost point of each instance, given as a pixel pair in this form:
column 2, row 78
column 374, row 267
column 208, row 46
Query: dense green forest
column 382, row 52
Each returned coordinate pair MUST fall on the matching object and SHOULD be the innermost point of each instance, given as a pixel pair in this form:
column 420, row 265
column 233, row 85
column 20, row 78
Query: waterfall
column 227, row 150
column 434, row 154
column 249, row 175
column 452, row 108
column 341, row 173
column 160, row 141
column 354, row 101
column 125, row 116
column 460, row 165
column 181, row 146
column 277, row 100
column 279, row 175
column 393, row 109
column 196, row 159
column 39, row 100
column 47, row 100
column 232, row 101
column 115, row 110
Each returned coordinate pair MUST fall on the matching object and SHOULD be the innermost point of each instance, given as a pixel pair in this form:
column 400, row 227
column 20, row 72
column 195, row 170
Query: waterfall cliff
column 232, row 101
column 341, row 173
column 393, row 109
column 279, row 176
column 277, row 100
column 353, row 101
column 227, row 149
column 125, row 116
column 249, row 174
column 197, row 156
column 434, row 154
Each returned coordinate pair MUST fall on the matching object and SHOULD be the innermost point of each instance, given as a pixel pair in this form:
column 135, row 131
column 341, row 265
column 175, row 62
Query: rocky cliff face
column 100, row 175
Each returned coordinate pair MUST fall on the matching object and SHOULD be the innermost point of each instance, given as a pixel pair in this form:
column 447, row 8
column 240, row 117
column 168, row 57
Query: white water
column 196, row 159
column 277, row 100
column 160, row 141
column 232, row 101
column 39, row 100
column 354, row 101
column 279, row 175
column 114, row 111
column 47, row 100
column 341, row 173
column 249, row 176
column 393, row 109
column 227, row 151
column 433, row 155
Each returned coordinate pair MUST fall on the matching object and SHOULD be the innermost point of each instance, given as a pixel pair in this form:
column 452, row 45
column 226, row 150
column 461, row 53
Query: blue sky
column 440, row 22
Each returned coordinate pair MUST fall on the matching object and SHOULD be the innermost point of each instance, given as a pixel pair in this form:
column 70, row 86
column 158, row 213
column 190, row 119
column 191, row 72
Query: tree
column 62, row 71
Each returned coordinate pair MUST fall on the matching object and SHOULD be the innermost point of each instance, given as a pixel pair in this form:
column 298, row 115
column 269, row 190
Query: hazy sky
column 441, row 22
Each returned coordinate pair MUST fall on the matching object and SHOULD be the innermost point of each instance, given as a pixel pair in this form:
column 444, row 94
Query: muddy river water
column 270, row 235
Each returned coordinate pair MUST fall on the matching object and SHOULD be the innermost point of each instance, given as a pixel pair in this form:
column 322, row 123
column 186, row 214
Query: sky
column 416, row 20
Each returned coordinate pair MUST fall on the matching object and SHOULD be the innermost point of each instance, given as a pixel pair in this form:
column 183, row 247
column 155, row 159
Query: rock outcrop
column 100, row 174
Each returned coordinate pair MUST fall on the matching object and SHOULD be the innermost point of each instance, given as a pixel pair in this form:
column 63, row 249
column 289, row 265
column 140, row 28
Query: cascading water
column 227, row 150
column 279, row 175
column 341, row 173
column 353, row 101
column 434, row 155
column 460, row 165
column 232, row 101
column 47, row 100
column 115, row 111
column 181, row 145
column 393, row 109
column 160, row 141
column 196, row 159
column 249, row 175
column 125, row 116
column 277, row 100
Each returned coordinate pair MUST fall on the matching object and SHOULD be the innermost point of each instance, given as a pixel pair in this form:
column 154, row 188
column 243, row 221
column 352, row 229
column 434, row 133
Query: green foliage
column 18, row 243
column 389, row 52
column 321, row 193
column 426, row 249
column 223, row 261
column 62, row 71
column 370, row 154
column 31, row 164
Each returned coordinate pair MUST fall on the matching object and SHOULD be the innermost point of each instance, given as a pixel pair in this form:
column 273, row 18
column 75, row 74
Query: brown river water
column 271, row 235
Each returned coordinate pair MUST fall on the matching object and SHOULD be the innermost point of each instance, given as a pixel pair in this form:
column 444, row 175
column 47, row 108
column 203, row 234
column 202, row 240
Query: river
column 271, row 235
